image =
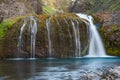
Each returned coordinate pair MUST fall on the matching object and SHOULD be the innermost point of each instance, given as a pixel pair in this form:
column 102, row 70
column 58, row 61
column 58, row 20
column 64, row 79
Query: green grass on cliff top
column 7, row 23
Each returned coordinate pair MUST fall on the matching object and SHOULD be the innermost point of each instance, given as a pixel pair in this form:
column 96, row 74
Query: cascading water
column 57, row 36
column 77, row 39
column 72, row 34
column 96, row 48
column 33, row 31
column 33, row 27
column 49, row 37
column 20, row 38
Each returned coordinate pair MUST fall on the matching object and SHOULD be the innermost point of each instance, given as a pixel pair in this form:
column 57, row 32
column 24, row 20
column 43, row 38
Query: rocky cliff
column 11, row 8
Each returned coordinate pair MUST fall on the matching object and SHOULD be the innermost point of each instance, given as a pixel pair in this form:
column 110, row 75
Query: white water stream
column 33, row 31
column 96, row 48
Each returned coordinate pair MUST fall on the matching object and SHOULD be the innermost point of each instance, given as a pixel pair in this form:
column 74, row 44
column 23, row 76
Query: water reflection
column 52, row 69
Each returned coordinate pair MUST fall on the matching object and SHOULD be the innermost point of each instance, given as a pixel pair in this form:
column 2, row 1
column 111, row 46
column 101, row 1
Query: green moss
column 4, row 26
column 110, row 35
column 48, row 10
column 113, row 51
column 42, row 20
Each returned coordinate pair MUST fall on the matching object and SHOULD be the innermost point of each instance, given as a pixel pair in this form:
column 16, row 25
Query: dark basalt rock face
column 62, row 37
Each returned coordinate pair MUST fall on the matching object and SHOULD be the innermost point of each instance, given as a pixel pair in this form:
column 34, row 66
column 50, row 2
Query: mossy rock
column 111, row 38
column 62, row 36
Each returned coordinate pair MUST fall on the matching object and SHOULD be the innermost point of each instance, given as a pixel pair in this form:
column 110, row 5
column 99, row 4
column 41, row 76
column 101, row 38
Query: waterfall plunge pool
column 59, row 69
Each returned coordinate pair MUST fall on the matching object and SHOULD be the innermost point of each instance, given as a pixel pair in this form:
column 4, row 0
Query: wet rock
column 110, row 73
column 115, row 71
column 89, row 76
column 105, row 73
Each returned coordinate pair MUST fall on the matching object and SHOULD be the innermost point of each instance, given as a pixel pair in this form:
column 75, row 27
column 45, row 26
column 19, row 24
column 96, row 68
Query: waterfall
column 49, row 37
column 96, row 48
column 77, row 39
column 33, row 27
column 65, row 37
column 32, row 31
column 20, row 38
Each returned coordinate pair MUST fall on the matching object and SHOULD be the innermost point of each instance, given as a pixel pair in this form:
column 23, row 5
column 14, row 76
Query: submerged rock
column 56, row 37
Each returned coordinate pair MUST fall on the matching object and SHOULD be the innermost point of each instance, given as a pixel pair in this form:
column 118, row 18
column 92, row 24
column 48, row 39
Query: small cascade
column 49, row 37
column 68, row 28
column 96, row 48
column 20, row 38
column 77, row 39
column 32, row 32
column 57, row 38
column 33, row 28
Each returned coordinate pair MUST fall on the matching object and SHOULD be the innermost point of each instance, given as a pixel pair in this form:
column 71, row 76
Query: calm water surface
column 52, row 69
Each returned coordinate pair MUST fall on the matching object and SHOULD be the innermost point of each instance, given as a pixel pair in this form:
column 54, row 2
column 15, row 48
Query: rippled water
column 53, row 69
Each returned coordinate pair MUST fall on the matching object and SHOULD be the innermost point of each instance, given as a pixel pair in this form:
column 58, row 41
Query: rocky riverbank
column 106, row 73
